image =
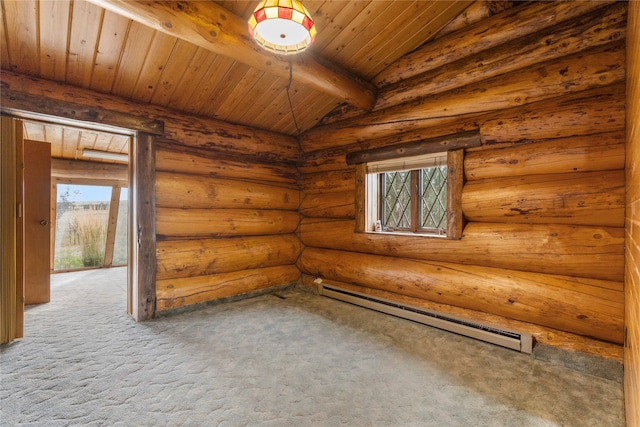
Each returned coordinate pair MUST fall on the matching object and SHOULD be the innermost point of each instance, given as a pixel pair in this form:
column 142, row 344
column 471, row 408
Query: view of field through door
column 90, row 226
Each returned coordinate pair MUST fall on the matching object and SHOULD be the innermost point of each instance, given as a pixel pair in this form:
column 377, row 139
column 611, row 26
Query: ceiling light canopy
column 282, row 26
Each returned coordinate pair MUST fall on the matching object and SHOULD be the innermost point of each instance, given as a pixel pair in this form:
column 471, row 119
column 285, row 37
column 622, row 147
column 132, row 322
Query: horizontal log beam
column 600, row 66
column 328, row 182
column 487, row 33
column 191, row 258
column 593, row 111
column 581, row 198
column 215, row 136
column 568, row 250
column 178, row 222
column 415, row 148
column 26, row 105
column 329, row 205
column 80, row 169
column 214, row 28
column 598, row 152
column 170, row 158
column 585, row 307
column 599, row 27
column 585, row 32
column 185, row 191
column 172, row 293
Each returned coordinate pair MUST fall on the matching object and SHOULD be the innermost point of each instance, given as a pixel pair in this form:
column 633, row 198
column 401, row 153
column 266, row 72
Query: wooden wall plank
column 22, row 18
column 54, row 23
column 632, row 278
column 83, row 42
column 115, row 29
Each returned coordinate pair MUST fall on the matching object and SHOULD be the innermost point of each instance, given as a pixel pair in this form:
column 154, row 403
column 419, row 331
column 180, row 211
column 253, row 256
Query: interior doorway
column 134, row 171
column 86, row 207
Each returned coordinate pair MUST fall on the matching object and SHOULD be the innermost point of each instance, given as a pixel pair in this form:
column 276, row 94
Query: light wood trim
column 214, row 28
column 415, row 148
column 361, row 197
column 12, row 301
column 455, row 182
column 142, row 227
column 112, row 225
column 53, row 221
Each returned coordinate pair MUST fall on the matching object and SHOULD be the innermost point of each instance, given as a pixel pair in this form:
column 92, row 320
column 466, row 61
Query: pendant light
column 282, row 26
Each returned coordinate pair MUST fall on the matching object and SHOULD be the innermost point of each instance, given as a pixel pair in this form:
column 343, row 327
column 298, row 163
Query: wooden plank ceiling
column 85, row 45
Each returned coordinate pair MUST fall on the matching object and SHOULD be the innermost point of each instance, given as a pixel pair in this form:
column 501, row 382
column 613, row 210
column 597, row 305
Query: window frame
column 453, row 144
column 368, row 198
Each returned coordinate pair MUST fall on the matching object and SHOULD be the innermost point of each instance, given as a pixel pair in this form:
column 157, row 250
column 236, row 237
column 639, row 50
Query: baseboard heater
column 511, row 339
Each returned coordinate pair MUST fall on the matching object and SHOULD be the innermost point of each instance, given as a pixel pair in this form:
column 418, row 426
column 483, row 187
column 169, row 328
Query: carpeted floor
column 291, row 359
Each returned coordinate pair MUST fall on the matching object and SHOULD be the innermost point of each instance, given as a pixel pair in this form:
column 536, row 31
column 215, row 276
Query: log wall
column 544, row 196
column 226, row 197
column 225, row 220
column 632, row 281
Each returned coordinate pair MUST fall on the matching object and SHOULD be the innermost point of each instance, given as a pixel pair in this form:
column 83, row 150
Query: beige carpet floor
column 291, row 359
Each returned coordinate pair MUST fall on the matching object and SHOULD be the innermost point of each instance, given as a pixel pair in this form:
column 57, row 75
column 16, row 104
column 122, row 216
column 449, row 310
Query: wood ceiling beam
column 214, row 28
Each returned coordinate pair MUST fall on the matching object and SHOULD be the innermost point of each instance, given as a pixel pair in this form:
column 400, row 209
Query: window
column 409, row 195
column 413, row 200
column 414, row 187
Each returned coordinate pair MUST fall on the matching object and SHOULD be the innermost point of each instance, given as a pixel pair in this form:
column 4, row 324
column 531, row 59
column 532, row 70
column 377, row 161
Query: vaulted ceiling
column 196, row 57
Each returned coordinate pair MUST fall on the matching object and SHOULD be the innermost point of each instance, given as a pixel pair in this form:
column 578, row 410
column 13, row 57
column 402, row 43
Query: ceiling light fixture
column 105, row 155
column 282, row 26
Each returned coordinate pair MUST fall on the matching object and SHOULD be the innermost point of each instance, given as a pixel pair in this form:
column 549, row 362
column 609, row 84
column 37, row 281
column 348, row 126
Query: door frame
column 142, row 237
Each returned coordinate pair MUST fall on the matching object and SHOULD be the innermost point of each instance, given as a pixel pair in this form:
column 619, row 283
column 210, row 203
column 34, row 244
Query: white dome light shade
column 282, row 26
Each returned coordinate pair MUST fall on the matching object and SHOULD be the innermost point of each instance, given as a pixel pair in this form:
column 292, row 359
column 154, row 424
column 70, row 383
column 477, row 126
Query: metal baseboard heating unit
column 514, row 340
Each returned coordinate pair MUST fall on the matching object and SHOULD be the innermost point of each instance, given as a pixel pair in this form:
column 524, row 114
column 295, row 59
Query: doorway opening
column 88, row 204
column 140, row 173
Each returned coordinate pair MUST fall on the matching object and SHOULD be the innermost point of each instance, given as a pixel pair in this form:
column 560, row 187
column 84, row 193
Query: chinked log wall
column 544, row 196
column 226, row 198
